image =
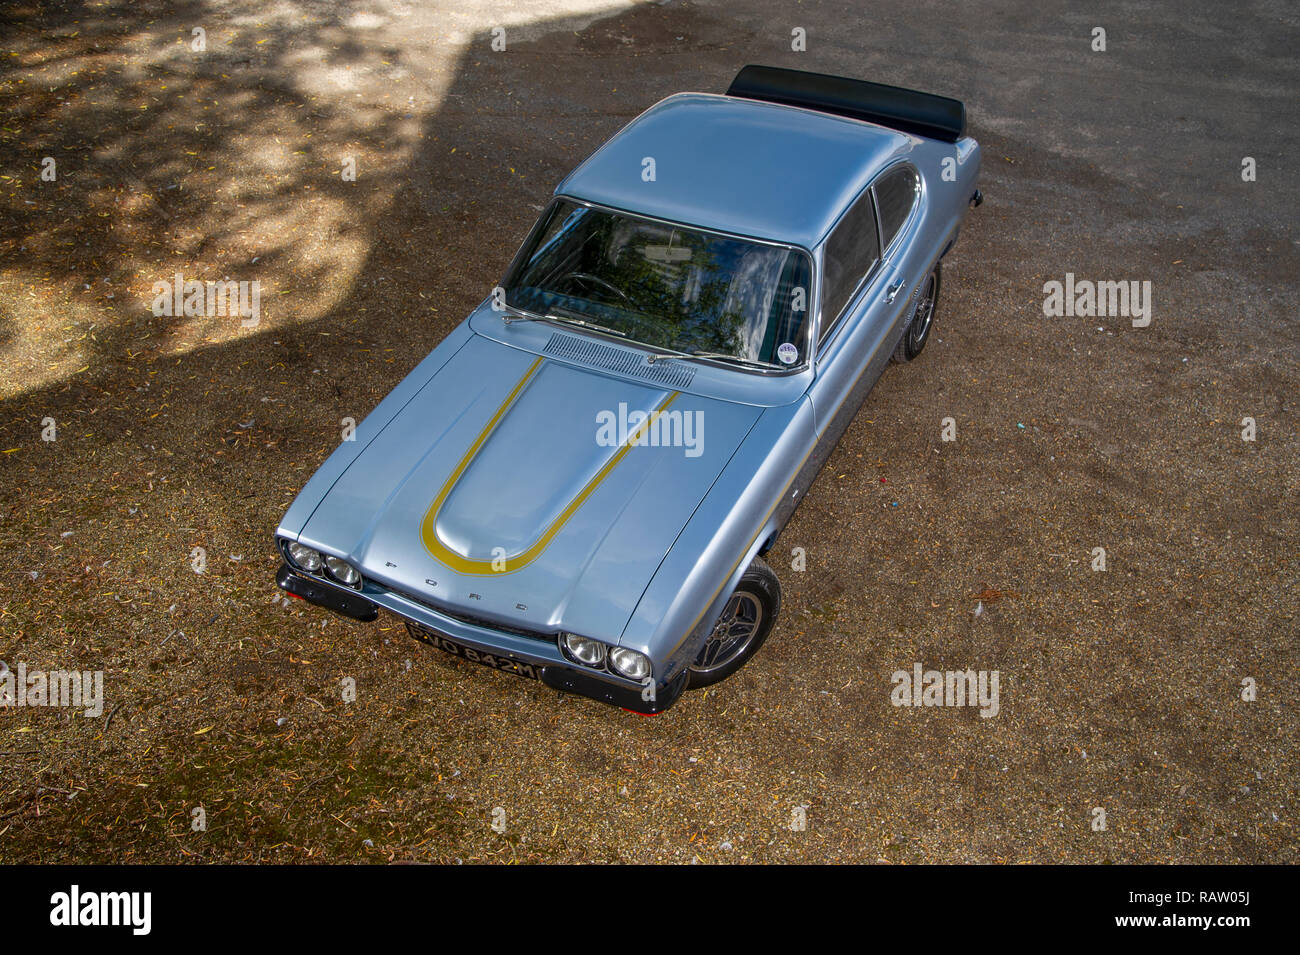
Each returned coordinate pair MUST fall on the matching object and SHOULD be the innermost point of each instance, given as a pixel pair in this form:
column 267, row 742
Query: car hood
column 529, row 491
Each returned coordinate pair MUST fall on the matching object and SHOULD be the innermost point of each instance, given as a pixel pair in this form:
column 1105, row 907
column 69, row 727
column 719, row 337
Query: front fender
column 693, row 582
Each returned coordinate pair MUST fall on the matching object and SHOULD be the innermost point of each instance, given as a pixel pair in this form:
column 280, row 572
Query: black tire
column 757, row 601
column 921, row 320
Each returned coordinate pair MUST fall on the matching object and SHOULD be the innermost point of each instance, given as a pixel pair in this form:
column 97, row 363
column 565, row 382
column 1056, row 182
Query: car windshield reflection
column 669, row 287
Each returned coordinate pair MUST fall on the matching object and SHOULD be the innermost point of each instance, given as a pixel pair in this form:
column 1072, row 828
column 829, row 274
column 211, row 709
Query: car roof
column 759, row 169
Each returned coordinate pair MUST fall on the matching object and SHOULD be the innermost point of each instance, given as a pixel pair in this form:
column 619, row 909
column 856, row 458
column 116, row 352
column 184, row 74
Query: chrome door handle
column 891, row 293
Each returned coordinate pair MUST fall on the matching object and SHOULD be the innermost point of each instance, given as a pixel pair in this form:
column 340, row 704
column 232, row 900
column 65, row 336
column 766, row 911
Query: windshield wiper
column 586, row 324
column 718, row 356
column 661, row 356
column 512, row 314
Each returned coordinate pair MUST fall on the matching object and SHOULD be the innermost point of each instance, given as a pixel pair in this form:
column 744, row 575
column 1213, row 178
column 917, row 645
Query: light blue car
column 579, row 484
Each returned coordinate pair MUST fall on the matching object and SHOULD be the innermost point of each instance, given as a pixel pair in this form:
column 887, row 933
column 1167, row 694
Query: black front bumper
column 570, row 680
column 575, row 681
column 347, row 602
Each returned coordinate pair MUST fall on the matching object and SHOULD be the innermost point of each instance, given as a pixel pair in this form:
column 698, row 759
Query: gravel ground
column 1120, row 690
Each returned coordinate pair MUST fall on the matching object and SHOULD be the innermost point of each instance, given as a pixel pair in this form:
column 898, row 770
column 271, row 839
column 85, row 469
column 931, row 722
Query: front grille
column 621, row 360
column 475, row 621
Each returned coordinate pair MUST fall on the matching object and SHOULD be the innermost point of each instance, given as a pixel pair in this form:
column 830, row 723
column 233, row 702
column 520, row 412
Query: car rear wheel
column 917, row 330
column 740, row 631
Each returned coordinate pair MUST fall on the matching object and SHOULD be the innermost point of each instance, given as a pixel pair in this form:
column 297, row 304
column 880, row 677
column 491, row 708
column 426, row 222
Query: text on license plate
column 495, row 661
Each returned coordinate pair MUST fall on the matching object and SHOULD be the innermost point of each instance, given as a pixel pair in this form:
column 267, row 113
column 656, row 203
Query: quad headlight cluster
column 592, row 653
column 322, row 565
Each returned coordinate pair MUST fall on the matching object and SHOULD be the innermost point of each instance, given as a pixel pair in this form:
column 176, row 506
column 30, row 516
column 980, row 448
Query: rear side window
column 852, row 251
column 895, row 195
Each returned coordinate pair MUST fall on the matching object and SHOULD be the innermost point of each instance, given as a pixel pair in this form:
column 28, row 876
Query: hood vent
column 669, row 373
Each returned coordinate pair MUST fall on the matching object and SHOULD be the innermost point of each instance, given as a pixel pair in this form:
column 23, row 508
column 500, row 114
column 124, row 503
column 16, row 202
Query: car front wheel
column 741, row 629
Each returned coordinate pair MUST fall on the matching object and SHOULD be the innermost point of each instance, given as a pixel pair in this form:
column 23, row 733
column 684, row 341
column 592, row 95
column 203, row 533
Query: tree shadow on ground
column 184, row 432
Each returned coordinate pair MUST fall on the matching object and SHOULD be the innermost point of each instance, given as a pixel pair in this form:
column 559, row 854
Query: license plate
column 493, row 660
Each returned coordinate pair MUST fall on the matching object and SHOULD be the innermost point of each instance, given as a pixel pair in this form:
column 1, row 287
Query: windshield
column 666, row 286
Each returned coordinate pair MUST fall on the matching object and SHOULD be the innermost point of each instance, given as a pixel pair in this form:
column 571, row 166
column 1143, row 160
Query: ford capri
column 580, row 483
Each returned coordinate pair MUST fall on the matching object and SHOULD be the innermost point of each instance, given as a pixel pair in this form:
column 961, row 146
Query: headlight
column 304, row 557
column 342, row 571
column 630, row 663
column 584, row 650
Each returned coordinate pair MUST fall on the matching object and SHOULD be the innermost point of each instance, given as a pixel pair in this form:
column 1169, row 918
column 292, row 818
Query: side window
column 852, row 251
column 895, row 196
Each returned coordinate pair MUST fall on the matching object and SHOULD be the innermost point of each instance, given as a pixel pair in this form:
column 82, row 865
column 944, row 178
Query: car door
column 863, row 298
column 897, row 193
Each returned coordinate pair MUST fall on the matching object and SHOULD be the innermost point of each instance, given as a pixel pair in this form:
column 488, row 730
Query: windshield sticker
column 787, row 353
